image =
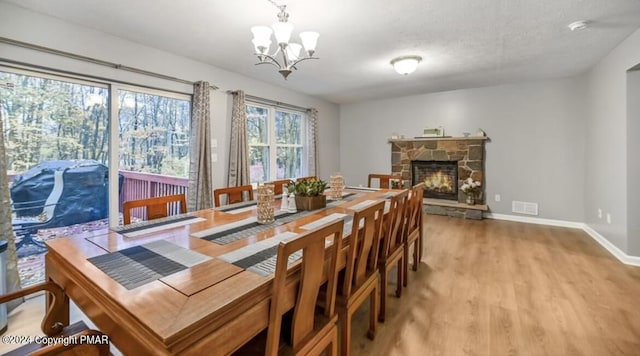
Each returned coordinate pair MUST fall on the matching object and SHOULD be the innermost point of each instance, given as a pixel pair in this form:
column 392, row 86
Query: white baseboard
column 532, row 220
column 613, row 249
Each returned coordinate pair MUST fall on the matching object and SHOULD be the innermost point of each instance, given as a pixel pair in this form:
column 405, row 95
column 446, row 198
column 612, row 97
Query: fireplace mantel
column 444, row 138
column 467, row 152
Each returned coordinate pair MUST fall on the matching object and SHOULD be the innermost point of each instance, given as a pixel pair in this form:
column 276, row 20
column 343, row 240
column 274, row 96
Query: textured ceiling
column 464, row 43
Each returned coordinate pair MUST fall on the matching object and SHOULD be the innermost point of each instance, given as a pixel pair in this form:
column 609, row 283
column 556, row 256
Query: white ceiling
column 464, row 43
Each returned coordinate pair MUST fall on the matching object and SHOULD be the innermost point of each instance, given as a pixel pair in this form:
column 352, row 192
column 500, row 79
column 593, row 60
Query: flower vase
column 471, row 200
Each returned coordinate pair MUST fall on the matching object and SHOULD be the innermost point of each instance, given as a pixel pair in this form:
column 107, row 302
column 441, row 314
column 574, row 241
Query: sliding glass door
column 57, row 139
column 77, row 149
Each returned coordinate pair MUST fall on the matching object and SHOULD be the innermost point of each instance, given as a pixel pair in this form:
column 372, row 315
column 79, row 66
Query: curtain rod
column 270, row 102
column 95, row 61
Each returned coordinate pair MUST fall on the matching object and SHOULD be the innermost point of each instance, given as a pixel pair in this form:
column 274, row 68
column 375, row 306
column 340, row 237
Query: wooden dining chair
column 383, row 180
column 52, row 327
column 300, row 179
column 307, row 337
column 157, row 207
column 311, row 333
column 361, row 272
column 233, row 194
column 277, row 185
column 392, row 248
column 414, row 230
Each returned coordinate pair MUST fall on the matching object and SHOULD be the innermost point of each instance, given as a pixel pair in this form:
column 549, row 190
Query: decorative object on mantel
column 481, row 132
column 472, row 189
column 466, row 134
column 433, row 132
column 309, row 194
column 290, row 51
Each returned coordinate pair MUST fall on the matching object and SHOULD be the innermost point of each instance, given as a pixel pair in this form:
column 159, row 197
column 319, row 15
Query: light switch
column 214, row 143
column 214, row 157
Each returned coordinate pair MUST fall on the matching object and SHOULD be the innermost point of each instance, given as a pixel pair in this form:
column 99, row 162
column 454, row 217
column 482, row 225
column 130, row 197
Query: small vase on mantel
column 471, row 200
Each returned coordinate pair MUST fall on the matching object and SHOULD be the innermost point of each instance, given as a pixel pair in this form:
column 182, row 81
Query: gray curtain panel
column 312, row 142
column 239, row 150
column 199, row 194
column 6, row 229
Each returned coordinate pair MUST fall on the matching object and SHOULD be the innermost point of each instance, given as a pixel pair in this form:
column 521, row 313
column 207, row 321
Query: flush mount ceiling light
column 290, row 52
column 578, row 25
column 406, row 64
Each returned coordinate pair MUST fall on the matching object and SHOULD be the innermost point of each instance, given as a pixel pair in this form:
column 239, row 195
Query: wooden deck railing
column 137, row 185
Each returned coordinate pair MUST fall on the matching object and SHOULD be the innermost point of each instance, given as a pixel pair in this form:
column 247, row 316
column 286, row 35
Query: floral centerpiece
column 472, row 189
column 310, row 194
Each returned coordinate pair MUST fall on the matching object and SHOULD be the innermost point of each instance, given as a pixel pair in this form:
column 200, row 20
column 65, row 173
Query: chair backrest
column 364, row 244
column 383, row 179
column 233, row 194
column 157, row 207
column 314, row 252
column 277, row 185
column 300, row 179
column 414, row 209
column 394, row 223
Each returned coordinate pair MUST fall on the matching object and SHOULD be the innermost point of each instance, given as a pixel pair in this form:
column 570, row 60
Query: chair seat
column 323, row 328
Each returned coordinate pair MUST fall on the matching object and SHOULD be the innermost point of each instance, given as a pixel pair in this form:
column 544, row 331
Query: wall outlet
column 214, row 157
column 608, row 218
column 599, row 213
column 214, row 143
column 497, row 197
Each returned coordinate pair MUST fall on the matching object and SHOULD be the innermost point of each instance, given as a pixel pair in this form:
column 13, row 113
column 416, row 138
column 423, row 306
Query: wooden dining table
column 211, row 304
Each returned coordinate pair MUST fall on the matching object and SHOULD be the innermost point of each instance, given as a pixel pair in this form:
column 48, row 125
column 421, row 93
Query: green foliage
column 310, row 187
column 49, row 119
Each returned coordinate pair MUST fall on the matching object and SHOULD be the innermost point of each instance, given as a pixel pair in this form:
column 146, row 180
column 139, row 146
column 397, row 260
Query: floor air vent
column 523, row 207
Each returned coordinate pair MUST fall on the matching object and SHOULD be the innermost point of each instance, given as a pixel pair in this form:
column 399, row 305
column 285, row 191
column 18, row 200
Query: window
column 154, row 133
column 276, row 143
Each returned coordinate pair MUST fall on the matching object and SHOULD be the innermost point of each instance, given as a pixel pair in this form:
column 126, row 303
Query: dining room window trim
column 271, row 141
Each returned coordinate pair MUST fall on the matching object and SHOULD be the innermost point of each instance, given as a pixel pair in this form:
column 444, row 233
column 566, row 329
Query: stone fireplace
column 442, row 163
column 440, row 178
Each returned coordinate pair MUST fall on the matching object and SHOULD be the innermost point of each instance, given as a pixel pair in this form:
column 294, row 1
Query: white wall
column 19, row 24
column 606, row 185
column 633, row 162
column 536, row 129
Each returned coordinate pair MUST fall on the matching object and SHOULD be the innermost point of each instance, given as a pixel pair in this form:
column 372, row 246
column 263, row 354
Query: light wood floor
column 503, row 288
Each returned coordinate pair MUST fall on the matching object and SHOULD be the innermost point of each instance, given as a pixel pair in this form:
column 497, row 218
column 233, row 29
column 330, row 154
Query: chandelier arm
column 271, row 60
column 293, row 64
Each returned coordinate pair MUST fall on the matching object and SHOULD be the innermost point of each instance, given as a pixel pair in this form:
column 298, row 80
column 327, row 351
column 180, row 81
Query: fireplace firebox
column 440, row 178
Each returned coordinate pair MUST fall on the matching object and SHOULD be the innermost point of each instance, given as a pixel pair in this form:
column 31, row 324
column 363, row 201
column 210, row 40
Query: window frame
column 272, row 144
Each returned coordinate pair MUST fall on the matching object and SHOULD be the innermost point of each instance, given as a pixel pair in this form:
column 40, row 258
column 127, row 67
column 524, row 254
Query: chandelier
column 289, row 52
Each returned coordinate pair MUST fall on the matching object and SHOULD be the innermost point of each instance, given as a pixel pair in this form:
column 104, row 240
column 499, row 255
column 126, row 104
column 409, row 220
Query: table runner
column 139, row 265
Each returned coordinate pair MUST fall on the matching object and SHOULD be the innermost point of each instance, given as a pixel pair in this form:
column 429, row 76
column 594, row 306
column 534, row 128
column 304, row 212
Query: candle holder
column 336, row 185
column 265, row 207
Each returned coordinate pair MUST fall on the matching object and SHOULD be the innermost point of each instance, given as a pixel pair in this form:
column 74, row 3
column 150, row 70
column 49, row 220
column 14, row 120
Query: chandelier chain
column 280, row 7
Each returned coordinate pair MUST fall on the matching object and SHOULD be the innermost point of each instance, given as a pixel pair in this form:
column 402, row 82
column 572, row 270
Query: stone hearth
column 468, row 152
